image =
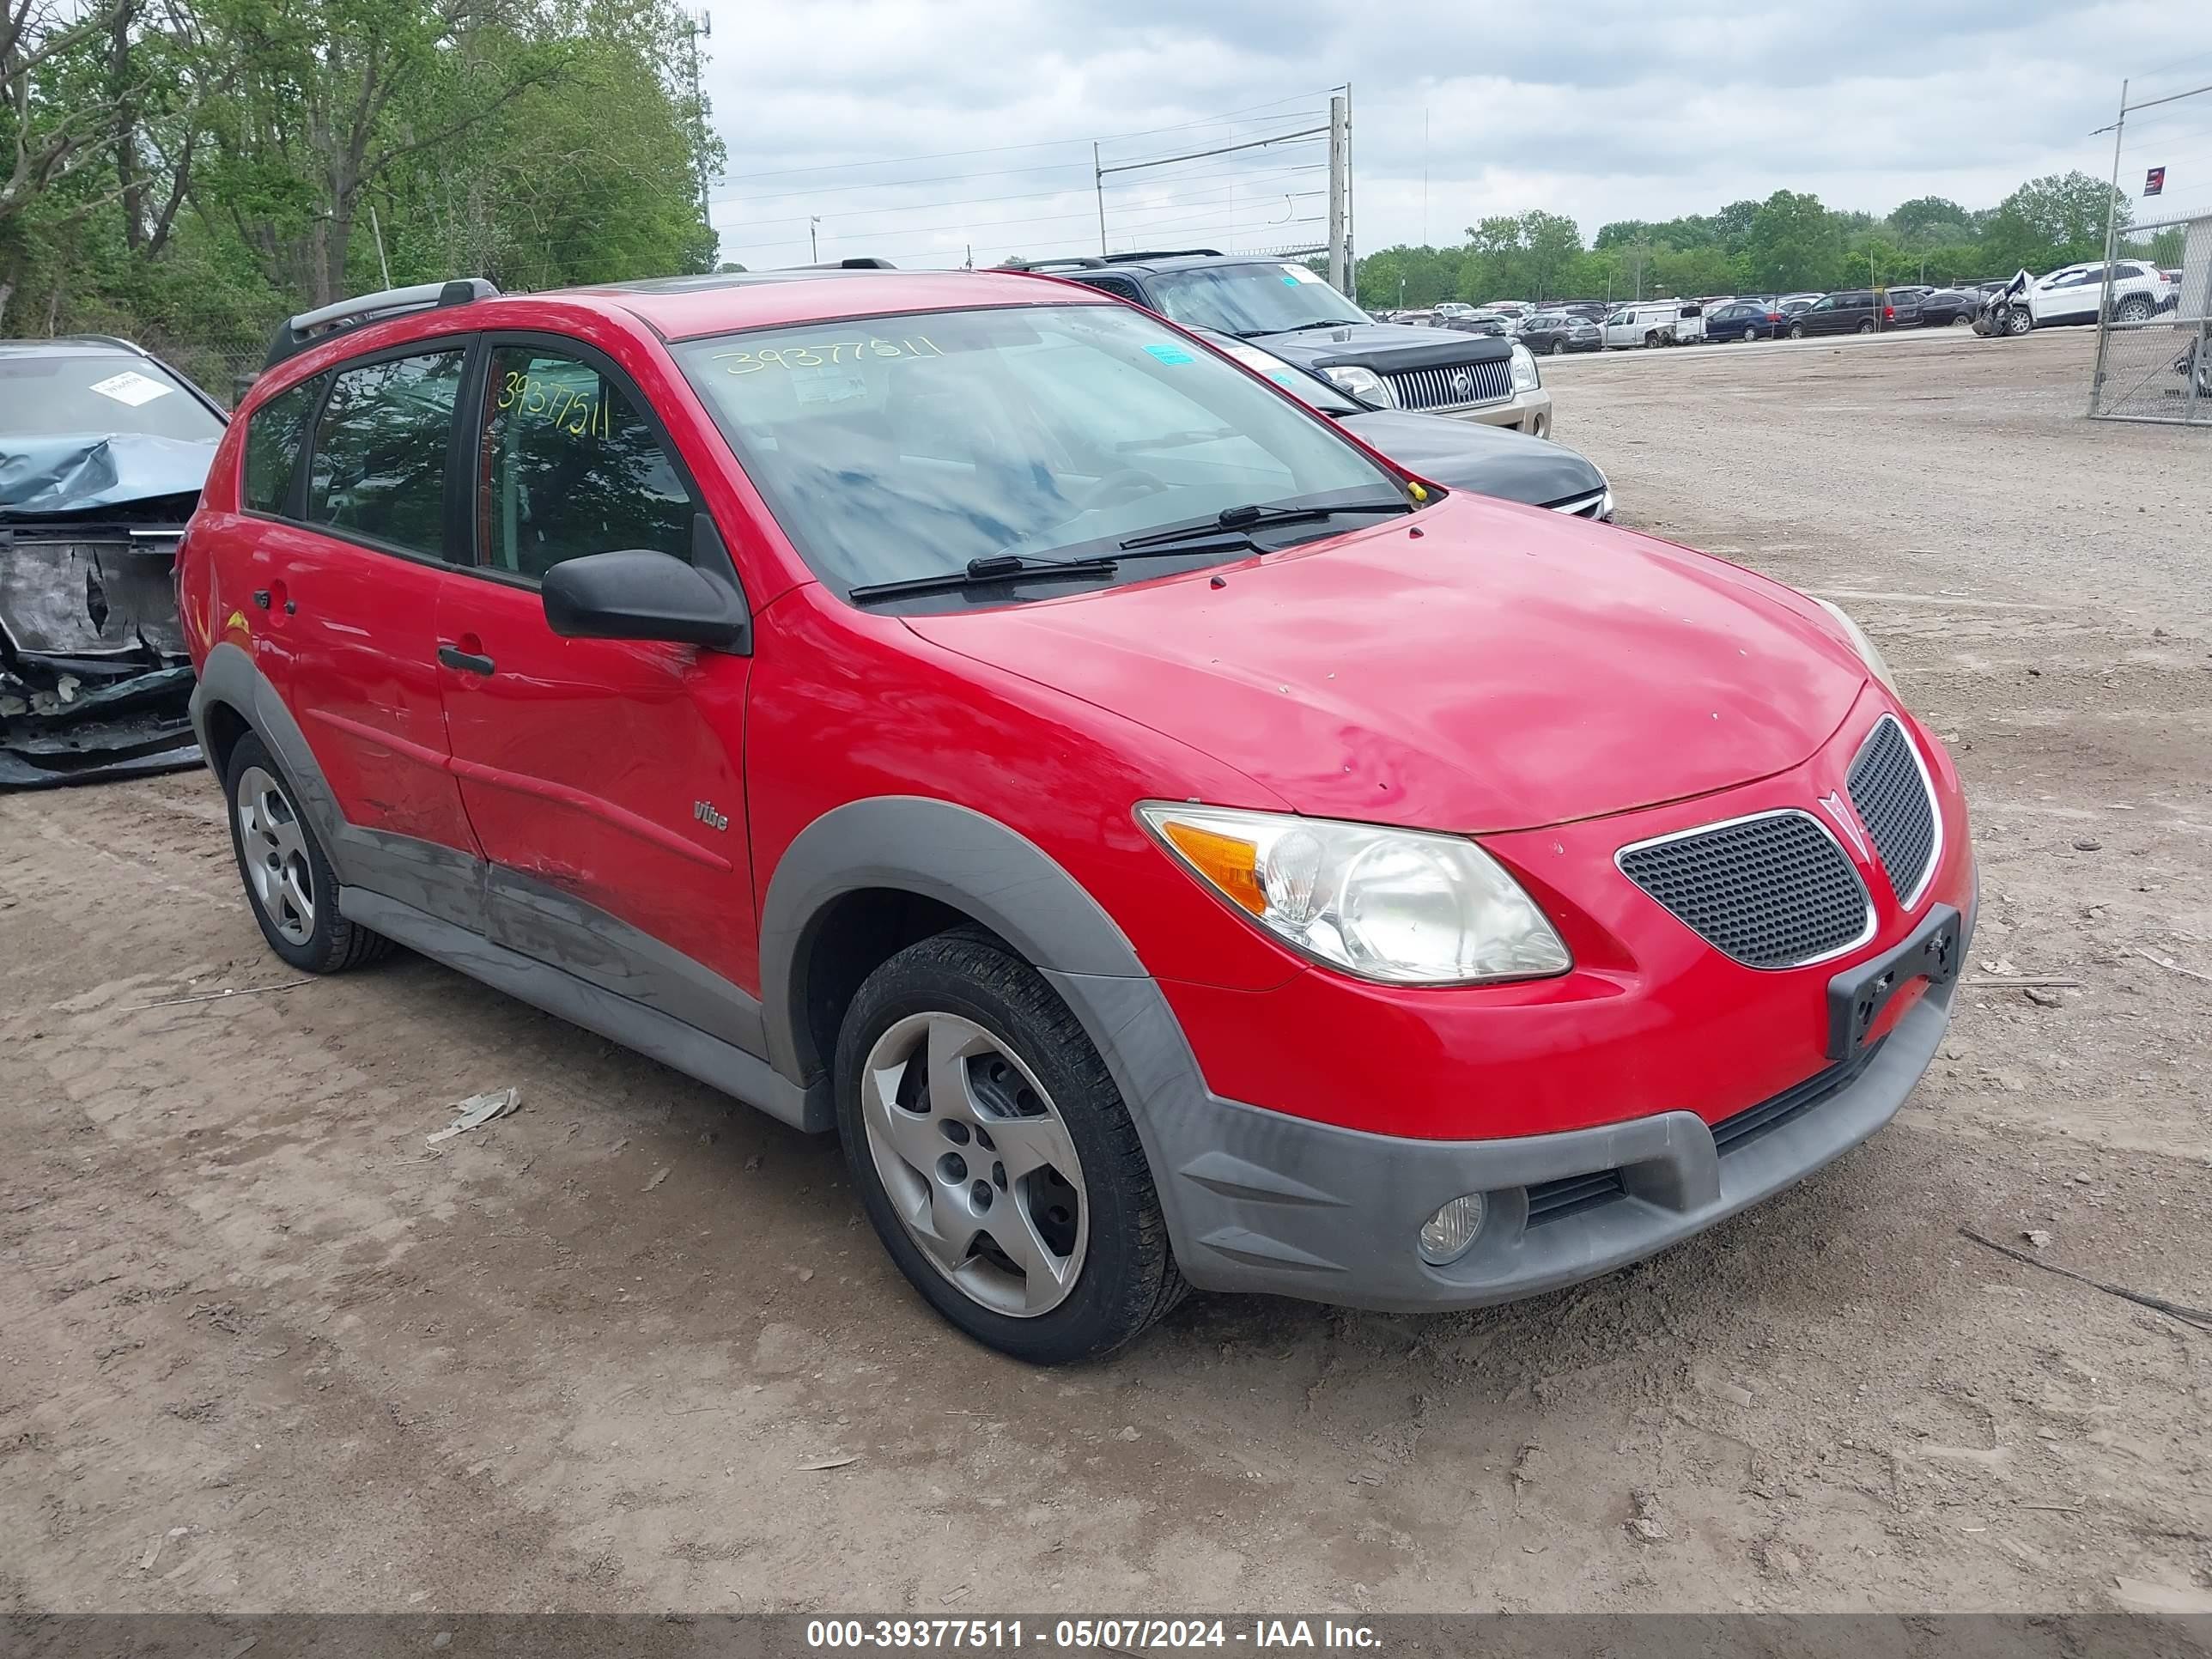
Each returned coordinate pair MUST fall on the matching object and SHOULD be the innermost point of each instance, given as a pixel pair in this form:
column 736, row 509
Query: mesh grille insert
column 1892, row 801
column 1771, row 891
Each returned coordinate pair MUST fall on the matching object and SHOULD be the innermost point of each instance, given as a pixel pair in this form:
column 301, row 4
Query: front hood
column 1493, row 460
column 72, row 473
column 1506, row 670
column 1391, row 346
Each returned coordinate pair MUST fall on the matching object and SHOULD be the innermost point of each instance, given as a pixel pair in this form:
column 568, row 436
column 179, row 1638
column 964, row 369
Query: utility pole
column 813, row 247
column 1098, row 184
column 696, row 26
column 1340, row 187
column 2111, row 238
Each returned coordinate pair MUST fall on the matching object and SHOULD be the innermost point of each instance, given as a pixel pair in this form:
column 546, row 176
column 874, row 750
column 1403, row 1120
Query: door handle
column 467, row 661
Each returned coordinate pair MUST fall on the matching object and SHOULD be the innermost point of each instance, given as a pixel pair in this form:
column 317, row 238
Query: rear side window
column 378, row 471
column 274, row 434
column 571, row 468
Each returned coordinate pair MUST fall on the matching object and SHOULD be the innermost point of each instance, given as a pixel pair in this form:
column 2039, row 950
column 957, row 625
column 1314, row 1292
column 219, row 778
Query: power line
column 1004, row 150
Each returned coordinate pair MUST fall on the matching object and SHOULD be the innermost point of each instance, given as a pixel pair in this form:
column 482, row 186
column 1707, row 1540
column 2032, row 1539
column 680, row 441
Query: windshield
column 1251, row 299
column 77, row 391
column 904, row 446
column 1308, row 389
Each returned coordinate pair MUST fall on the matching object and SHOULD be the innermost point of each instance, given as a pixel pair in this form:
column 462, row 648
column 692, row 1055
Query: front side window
column 571, row 467
column 905, row 446
column 274, row 434
column 1246, row 299
column 378, row 471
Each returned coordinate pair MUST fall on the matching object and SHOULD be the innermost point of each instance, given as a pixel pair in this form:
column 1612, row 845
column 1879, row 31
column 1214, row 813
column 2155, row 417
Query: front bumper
column 1526, row 411
column 1261, row 1201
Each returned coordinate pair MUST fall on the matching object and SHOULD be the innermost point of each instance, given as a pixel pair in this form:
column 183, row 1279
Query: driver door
column 603, row 777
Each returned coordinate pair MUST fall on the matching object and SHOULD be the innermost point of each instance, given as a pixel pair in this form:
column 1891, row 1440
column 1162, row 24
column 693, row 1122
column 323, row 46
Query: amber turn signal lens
column 1230, row 864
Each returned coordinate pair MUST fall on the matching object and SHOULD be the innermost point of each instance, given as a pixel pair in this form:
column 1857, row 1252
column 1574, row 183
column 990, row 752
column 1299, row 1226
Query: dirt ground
column 264, row 1348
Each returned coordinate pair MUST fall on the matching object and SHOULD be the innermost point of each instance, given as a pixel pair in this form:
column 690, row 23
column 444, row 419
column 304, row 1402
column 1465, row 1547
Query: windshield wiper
column 979, row 573
column 1252, row 516
column 1323, row 322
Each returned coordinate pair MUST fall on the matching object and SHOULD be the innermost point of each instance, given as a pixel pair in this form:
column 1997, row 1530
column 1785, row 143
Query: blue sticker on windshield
column 1171, row 353
column 1292, row 282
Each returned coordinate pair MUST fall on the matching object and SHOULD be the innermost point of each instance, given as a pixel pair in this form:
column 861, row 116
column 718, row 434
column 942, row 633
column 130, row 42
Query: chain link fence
column 221, row 368
column 2153, row 340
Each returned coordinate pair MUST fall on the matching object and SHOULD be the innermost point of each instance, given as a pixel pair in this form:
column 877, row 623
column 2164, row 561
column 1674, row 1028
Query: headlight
column 1865, row 648
column 1394, row 905
column 1363, row 383
column 1525, row 378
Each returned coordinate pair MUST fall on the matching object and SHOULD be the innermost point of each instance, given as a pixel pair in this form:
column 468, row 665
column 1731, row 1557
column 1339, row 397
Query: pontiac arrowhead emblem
column 1833, row 804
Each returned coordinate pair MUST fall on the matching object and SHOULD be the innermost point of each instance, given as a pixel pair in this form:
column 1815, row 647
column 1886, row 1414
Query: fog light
column 1446, row 1236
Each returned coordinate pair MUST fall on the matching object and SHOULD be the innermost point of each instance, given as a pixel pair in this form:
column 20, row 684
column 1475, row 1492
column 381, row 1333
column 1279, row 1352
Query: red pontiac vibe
column 1169, row 843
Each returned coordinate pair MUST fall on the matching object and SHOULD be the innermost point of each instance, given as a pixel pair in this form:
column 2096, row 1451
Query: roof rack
column 858, row 262
column 1092, row 261
column 1166, row 253
column 307, row 328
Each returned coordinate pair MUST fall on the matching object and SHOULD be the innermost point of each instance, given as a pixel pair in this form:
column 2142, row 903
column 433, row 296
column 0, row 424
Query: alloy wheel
column 274, row 850
column 977, row 1162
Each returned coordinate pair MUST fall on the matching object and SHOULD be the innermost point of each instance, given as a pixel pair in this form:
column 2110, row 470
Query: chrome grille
column 1891, row 794
column 1455, row 385
column 1772, row 892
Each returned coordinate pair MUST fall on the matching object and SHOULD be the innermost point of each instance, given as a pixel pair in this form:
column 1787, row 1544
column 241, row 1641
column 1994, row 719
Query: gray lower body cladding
column 1258, row 1200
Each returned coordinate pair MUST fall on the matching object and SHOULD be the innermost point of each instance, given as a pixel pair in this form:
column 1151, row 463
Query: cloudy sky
column 915, row 129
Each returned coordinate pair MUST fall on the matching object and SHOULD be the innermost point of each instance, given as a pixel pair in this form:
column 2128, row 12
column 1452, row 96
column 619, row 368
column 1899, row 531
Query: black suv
column 1283, row 306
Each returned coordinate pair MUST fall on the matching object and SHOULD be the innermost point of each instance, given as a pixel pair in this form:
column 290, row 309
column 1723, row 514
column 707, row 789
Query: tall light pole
column 813, row 249
column 697, row 27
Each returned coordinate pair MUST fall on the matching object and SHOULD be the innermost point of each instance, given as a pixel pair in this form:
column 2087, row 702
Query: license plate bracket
column 1858, row 996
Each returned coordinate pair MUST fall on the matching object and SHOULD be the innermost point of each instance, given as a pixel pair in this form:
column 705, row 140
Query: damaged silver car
column 103, row 449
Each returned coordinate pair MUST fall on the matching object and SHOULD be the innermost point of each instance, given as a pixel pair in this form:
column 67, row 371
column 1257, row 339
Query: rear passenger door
column 603, row 777
column 344, row 578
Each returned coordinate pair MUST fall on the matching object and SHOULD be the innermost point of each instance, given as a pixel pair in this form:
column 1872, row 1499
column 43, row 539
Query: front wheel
column 2018, row 321
column 288, row 881
column 995, row 1157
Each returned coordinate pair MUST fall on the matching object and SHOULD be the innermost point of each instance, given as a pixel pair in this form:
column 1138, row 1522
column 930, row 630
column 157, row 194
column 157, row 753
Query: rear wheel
column 1750, row 336
column 2136, row 308
column 1559, row 347
column 1867, row 328
column 994, row 1156
column 288, row 881
column 1797, row 330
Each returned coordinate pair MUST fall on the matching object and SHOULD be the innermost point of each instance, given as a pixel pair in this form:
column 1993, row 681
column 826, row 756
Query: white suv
column 2071, row 293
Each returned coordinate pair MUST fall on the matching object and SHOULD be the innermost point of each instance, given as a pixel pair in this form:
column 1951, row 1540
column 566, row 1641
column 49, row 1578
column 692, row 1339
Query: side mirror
column 641, row 595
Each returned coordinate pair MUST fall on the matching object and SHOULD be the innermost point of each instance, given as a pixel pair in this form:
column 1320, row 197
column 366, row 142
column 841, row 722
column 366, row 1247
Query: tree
column 1928, row 222
column 1793, row 242
column 2054, row 220
column 1551, row 243
column 331, row 94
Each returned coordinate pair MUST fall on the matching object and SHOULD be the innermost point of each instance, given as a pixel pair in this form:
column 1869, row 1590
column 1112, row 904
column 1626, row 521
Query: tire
column 1054, row 1265
column 2133, row 309
column 290, row 884
column 1751, row 337
column 1867, row 328
column 1797, row 330
column 2019, row 321
column 1962, row 318
column 1559, row 349
column 1652, row 340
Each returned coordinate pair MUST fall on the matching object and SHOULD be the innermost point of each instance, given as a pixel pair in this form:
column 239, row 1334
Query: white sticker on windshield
column 1299, row 274
column 132, row 387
